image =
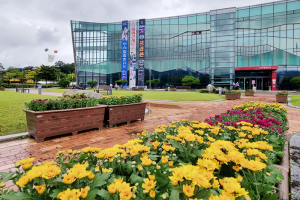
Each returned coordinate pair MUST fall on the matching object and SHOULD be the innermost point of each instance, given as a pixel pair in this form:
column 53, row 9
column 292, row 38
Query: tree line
column 58, row 72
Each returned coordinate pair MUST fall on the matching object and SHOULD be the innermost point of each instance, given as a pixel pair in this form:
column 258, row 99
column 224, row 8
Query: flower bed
column 230, row 156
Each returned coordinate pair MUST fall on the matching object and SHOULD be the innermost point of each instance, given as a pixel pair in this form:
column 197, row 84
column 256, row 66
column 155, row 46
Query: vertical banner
column 50, row 58
column 142, row 52
column 124, row 50
column 132, row 72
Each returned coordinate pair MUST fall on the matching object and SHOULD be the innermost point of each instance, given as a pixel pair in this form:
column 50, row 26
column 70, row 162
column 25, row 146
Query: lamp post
column 150, row 77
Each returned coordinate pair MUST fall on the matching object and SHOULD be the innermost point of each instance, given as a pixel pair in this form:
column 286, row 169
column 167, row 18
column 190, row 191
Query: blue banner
column 124, row 50
column 141, row 70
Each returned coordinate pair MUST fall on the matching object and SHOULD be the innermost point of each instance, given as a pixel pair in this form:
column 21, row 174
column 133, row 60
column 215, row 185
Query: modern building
column 254, row 45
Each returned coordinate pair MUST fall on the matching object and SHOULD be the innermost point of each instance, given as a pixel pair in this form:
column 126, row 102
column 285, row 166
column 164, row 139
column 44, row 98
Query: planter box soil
column 116, row 114
column 249, row 93
column 281, row 98
column 43, row 124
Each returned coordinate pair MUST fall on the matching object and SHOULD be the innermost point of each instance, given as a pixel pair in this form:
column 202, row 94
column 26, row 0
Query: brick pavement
column 162, row 113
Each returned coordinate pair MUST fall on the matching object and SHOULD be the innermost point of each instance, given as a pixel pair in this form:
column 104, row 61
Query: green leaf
column 128, row 167
column 91, row 195
column 136, row 179
column 199, row 152
column 175, row 193
column 55, row 193
column 177, row 145
column 105, row 194
column 5, row 176
column 17, row 195
column 153, row 157
column 100, row 179
column 273, row 196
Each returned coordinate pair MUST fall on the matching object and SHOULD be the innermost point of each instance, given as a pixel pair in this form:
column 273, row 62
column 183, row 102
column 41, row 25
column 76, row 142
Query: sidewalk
column 162, row 113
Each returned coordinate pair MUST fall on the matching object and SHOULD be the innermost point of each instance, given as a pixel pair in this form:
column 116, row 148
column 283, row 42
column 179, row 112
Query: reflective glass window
column 267, row 9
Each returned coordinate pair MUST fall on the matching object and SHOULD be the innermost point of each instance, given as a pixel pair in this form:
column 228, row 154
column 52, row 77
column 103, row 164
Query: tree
column 92, row 83
column 47, row 73
column 153, row 82
column 12, row 69
column 1, row 69
column 10, row 75
column 190, row 80
column 69, row 77
column 119, row 82
column 67, row 68
column 296, row 81
column 63, row 83
column 59, row 63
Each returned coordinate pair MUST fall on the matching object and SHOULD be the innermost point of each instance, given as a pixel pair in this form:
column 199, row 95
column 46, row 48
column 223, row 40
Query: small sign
column 39, row 116
column 253, row 82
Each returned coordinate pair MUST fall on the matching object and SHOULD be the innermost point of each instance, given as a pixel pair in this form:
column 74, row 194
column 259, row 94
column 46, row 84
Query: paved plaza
column 162, row 112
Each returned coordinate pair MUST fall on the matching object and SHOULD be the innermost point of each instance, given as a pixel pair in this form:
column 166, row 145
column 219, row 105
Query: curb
column 295, row 166
column 185, row 101
column 290, row 103
column 12, row 136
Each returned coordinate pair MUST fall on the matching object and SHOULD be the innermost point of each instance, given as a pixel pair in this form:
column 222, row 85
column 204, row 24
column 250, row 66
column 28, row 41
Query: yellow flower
column 175, row 183
column 69, row 194
column 152, row 194
column 171, row 163
column 236, row 168
column 70, row 151
column 23, row 181
column 51, row 171
column 164, row 159
column 69, row 178
column 17, row 165
column 27, row 166
column 2, row 184
column 112, row 188
column 188, row 190
column 104, row 170
column 41, row 188
column 91, row 175
column 149, row 185
column 151, row 177
column 84, row 192
column 97, row 169
column 140, row 168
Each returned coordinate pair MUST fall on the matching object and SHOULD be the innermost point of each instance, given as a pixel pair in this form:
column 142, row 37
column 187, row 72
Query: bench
column 21, row 89
column 183, row 87
column 104, row 88
column 137, row 89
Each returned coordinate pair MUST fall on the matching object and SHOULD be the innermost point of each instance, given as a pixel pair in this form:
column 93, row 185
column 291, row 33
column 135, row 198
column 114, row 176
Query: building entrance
column 261, row 83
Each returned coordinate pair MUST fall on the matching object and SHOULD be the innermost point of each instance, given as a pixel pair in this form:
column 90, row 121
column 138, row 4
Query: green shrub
column 64, row 83
column 249, row 90
column 296, row 81
column 190, row 80
column 233, row 91
column 74, row 96
column 284, row 92
column 92, row 83
column 119, row 82
column 118, row 100
column 204, row 91
column 48, row 104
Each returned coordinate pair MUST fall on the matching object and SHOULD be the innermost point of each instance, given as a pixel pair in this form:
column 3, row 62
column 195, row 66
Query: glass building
column 255, row 45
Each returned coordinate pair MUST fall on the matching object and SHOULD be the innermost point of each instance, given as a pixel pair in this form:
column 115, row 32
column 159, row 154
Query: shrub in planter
column 232, row 94
column 204, row 91
column 123, row 109
column 180, row 160
column 281, row 96
column 249, row 92
column 92, row 83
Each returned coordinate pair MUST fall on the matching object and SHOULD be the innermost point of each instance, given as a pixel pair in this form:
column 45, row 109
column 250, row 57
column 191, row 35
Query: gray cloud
column 28, row 27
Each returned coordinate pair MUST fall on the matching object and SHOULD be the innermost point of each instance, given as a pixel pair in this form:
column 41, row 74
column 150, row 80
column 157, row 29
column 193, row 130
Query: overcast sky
column 27, row 27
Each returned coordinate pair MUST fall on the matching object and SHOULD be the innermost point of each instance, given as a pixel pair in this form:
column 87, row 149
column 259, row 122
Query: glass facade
column 209, row 46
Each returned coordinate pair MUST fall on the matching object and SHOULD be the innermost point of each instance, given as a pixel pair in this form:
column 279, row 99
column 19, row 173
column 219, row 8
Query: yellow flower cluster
column 90, row 150
column 254, row 105
column 232, row 186
column 26, row 163
column 78, row 171
column 201, row 125
column 74, row 194
column 149, row 184
column 216, row 151
column 121, row 186
column 46, row 171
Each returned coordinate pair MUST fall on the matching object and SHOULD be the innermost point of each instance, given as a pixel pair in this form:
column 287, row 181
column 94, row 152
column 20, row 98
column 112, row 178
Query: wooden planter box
column 116, row 114
column 171, row 89
column 231, row 96
column 238, row 95
column 249, row 93
column 43, row 124
column 281, row 98
column 139, row 89
column 2, row 89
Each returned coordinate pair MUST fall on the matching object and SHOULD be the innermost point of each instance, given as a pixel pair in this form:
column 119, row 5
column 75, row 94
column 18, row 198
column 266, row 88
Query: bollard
column 168, row 88
column 220, row 91
column 40, row 89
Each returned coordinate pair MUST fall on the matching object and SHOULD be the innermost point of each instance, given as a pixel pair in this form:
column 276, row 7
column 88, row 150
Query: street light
column 150, row 77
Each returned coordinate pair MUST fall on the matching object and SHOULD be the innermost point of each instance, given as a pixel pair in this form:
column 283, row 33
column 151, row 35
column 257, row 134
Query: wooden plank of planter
column 116, row 114
column 284, row 168
column 43, row 124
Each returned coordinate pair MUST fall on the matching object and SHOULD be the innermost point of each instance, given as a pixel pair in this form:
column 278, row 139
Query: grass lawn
column 160, row 95
column 13, row 119
column 175, row 96
column 295, row 100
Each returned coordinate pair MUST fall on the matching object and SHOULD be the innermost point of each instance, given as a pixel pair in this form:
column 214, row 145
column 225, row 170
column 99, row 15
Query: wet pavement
column 162, row 112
